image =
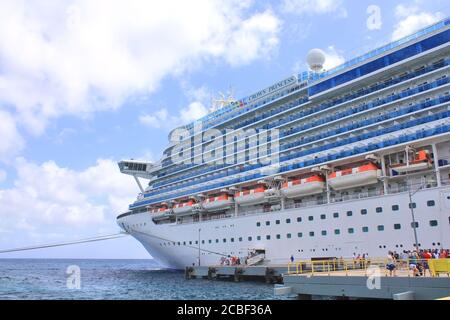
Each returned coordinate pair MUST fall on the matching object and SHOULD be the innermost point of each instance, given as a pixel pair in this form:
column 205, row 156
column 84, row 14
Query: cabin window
column 288, row 235
column 430, row 203
column 288, row 220
column 416, row 224
column 397, row 226
column 267, row 223
column 277, row 221
column 310, row 218
column 268, row 237
column 324, row 232
column 395, row 207
column 412, row 205
column 258, row 238
column 365, row 229
column 433, row 223
column 379, row 210
column 380, row 228
column 299, row 219
column 278, row 236
column 336, row 215
column 349, row 213
column 300, row 234
column 363, row 211
column 240, row 239
column 351, row 230
column 323, row 217
column 311, row 233
column 249, row 238
column 258, row 224
column 337, row 231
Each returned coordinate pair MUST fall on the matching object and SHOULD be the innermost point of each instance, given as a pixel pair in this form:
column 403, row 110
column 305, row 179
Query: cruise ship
column 323, row 164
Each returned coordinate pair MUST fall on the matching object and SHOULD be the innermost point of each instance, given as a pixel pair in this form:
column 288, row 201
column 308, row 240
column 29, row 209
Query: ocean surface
column 34, row 279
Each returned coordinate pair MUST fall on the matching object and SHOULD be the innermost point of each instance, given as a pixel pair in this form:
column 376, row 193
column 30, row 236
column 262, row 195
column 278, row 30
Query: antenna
column 222, row 99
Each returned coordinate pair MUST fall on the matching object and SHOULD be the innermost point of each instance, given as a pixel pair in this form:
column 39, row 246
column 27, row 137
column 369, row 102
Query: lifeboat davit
column 220, row 202
column 183, row 207
column 303, row 187
column 422, row 161
column 250, row 197
column 354, row 177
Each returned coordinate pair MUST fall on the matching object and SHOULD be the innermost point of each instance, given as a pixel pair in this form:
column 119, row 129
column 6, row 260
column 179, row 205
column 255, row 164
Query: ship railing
column 424, row 184
column 371, row 267
column 305, row 204
column 443, row 161
column 258, row 210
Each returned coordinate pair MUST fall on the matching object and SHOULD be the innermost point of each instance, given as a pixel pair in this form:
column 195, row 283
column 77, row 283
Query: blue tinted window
column 382, row 62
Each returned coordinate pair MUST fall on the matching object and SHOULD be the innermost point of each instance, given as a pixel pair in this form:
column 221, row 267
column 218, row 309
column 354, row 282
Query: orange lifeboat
column 251, row 196
column 422, row 161
column 354, row 177
column 183, row 207
column 221, row 202
column 303, row 187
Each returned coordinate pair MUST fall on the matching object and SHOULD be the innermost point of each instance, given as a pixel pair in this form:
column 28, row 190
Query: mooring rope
column 103, row 238
column 68, row 243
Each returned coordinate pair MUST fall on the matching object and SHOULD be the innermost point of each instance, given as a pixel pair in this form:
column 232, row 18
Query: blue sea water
column 116, row 279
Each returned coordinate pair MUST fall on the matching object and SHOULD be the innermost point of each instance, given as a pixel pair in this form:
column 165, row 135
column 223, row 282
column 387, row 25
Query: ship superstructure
column 320, row 164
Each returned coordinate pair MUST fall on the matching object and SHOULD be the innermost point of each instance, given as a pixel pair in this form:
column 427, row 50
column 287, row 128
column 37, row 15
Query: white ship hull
column 345, row 136
column 155, row 238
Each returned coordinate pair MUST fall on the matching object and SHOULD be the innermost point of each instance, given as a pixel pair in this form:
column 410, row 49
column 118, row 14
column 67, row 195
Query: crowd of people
column 415, row 261
column 230, row 261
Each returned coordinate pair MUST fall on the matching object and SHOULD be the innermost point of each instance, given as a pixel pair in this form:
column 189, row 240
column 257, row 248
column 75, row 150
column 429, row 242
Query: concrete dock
column 269, row 274
column 340, row 284
column 363, row 287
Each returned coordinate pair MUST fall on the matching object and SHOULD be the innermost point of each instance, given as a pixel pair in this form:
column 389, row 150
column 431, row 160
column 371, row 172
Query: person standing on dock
column 390, row 265
column 292, row 258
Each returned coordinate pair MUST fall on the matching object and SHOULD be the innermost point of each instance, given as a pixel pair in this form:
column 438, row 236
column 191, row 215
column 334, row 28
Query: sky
column 84, row 84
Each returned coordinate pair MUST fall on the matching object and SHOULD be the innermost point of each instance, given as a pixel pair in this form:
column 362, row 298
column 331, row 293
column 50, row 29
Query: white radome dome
column 316, row 59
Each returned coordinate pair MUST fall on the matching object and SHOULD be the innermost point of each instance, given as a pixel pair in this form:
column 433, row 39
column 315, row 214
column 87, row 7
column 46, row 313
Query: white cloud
column 51, row 204
column 10, row 140
column 411, row 20
column 315, row 7
column 157, row 119
column 78, row 57
column 3, row 176
column 162, row 119
column 192, row 112
column 257, row 36
column 50, row 196
column 332, row 58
